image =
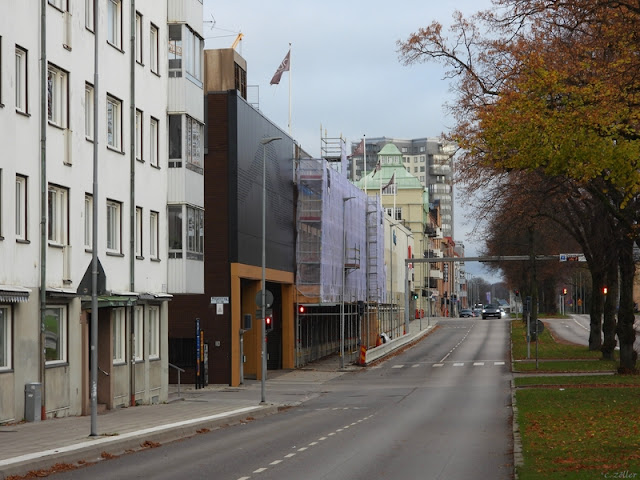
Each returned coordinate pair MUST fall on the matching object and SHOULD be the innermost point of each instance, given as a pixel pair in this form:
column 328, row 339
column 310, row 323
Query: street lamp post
column 344, row 252
column 263, row 336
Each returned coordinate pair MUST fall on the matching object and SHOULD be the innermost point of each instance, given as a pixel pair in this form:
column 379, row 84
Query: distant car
column 466, row 313
column 491, row 311
column 477, row 312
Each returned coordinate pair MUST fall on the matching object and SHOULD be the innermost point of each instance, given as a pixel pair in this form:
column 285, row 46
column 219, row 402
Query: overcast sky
column 345, row 74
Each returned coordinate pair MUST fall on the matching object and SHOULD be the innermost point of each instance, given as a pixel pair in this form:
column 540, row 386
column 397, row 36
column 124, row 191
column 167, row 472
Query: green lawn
column 548, row 348
column 579, row 432
column 576, row 427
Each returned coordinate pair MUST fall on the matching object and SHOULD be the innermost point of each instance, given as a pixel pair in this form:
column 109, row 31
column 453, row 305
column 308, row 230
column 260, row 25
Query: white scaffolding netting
column 329, row 206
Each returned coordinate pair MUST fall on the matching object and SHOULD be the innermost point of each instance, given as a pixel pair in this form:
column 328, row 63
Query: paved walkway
column 39, row 445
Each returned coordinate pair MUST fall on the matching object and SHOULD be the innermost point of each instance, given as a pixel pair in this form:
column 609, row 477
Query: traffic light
column 415, row 296
column 564, row 291
column 604, row 290
column 517, row 292
column 268, row 323
column 301, row 309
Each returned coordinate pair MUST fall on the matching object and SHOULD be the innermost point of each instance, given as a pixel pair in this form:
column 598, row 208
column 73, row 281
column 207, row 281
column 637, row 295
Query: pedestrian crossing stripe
column 458, row 364
column 478, row 364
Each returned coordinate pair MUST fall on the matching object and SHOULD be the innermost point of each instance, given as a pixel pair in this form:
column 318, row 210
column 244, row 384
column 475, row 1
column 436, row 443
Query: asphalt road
column 439, row 410
column 576, row 329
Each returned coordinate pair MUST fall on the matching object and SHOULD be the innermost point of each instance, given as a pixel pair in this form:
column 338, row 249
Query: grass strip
column 548, row 347
column 566, row 366
column 599, row 380
column 579, row 433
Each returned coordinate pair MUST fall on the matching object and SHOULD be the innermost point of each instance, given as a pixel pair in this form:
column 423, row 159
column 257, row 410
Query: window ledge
column 56, row 364
column 156, row 260
column 115, row 150
column 21, row 240
column 24, row 114
column 56, row 245
column 139, row 257
column 115, row 254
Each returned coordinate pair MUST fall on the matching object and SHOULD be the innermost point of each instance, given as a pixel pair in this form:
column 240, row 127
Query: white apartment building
column 47, row 196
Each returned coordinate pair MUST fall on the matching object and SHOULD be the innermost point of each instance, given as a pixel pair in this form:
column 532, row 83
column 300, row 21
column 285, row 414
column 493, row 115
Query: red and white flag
column 284, row 67
column 376, row 169
column 359, row 149
column 391, row 181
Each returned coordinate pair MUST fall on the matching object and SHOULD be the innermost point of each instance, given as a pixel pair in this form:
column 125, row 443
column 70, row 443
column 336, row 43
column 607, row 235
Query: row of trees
column 547, row 117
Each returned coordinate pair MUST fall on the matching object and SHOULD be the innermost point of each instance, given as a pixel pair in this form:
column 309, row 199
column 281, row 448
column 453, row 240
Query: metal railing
column 180, row 370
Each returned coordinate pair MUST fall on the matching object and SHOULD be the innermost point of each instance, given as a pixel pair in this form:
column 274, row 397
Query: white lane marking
column 275, row 462
column 244, row 478
column 498, row 363
column 415, row 366
column 332, row 433
column 458, row 344
column 478, row 364
column 302, row 449
column 458, row 364
column 438, row 365
column 289, row 455
column 260, row 470
column 322, row 438
column 313, row 443
column 397, row 366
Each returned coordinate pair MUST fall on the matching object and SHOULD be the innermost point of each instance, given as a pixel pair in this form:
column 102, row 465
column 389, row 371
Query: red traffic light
column 268, row 323
column 604, row 290
column 564, row 291
column 301, row 309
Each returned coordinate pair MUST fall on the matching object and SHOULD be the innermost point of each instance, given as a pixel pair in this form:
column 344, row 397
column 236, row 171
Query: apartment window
column 193, row 56
column 5, row 338
column 139, row 232
column 138, row 37
column 415, row 169
column 194, row 143
column 195, row 232
column 175, row 227
column 88, row 221
column 153, row 235
column 240, row 80
column 175, row 138
column 138, row 333
column 21, row 80
column 55, row 334
column 153, row 48
column 57, row 215
column 114, row 23
column 114, row 123
column 154, row 332
column 21, row 207
column 139, row 135
column 114, row 225
column 88, row 14
column 398, row 215
column 119, row 337
column 153, row 142
column 88, row 111
column 57, row 94
column 175, row 50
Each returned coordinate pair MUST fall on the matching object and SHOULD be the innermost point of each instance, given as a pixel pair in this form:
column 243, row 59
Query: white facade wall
column 69, row 168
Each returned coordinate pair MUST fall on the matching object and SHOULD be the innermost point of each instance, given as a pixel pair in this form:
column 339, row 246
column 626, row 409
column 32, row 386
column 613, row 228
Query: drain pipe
column 43, row 199
column 132, row 198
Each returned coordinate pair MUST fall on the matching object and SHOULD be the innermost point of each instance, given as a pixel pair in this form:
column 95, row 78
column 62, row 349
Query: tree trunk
column 626, row 317
column 610, row 304
column 595, row 311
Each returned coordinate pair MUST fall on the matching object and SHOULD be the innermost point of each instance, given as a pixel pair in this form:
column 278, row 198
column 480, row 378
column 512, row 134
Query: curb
column 93, row 450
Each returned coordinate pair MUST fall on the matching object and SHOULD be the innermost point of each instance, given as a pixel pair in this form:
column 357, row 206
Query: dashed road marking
column 458, row 364
column 478, row 364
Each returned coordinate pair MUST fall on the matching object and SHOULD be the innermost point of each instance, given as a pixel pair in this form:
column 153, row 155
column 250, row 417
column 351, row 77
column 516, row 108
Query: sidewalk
column 40, row 445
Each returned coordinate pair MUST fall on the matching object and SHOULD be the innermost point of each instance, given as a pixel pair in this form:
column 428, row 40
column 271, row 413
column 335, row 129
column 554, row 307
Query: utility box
column 32, row 402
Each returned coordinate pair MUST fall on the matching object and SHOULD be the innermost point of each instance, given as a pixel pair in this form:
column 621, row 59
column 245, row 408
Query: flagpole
column 364, row 152
column 290, row 89
column 395, row 190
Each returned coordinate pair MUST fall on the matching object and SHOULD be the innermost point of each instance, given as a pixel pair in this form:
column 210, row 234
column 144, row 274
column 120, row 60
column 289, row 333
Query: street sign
column 572, row 257
column 217, row 300
column 268, row 297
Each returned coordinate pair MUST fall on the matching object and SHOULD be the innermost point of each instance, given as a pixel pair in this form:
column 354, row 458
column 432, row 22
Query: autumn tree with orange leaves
column 551, row 87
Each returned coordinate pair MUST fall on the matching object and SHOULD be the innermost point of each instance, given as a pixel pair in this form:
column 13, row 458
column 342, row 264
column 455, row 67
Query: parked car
column 466, row 313
column 491, row 311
